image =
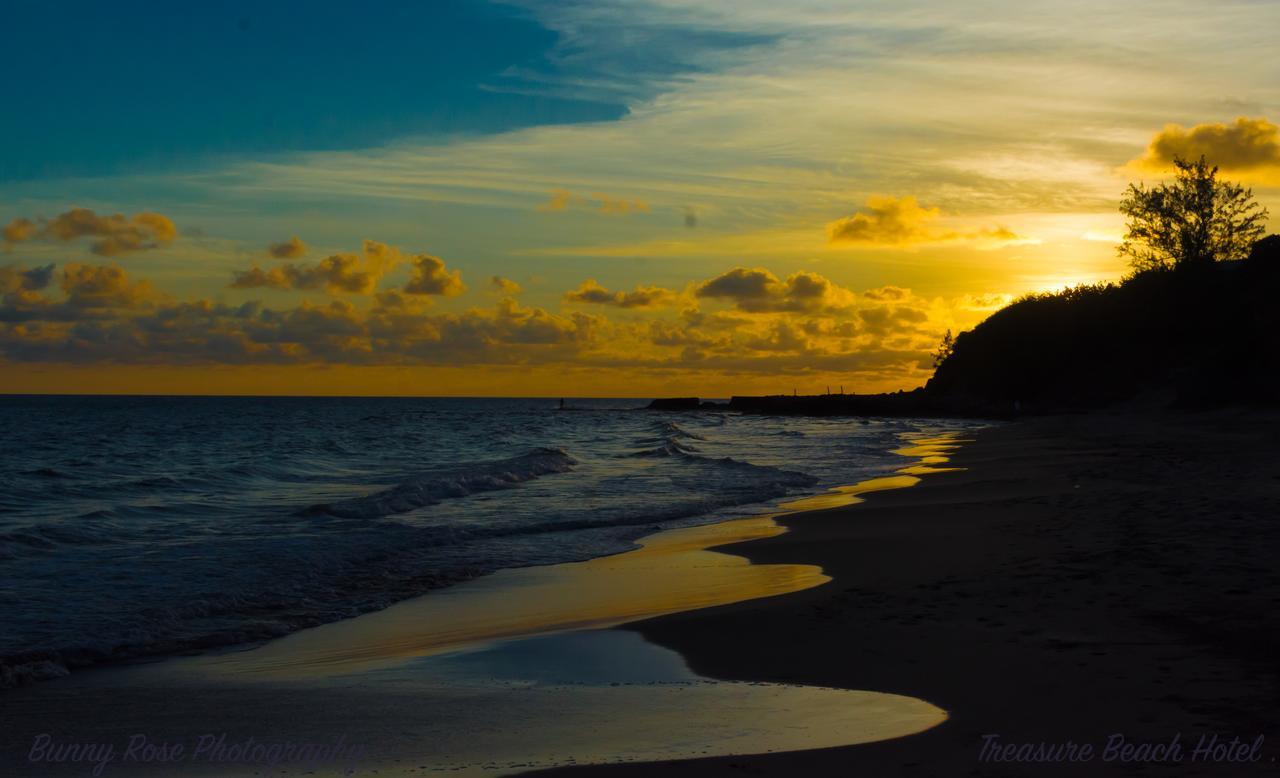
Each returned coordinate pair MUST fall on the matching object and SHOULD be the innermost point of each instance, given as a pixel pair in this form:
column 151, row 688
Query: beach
column 493, row 676
column 1059, row 581
column 1084, row 577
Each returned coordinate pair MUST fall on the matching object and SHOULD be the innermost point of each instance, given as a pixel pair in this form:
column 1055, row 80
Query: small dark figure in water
column 562, row 403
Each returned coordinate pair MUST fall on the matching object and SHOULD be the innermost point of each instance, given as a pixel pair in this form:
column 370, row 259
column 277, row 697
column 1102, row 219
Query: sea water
column 137, row 526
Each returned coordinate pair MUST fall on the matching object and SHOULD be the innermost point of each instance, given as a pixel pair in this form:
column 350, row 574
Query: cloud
column 19, row 230
column 768, row 326
column 100, row 315
column 103, row 286
column 617, row 205
column 899, row 222
column 340, row 273
column 113, row 234
column 337, row 274
column 563, row 199
column 88, row 292
column 14, row 279
column 505, row 286
column 885, row 221
column 887, row 293
column 429, row 276
column 289, row 249
column 591, row 292
column 757, row 290
column 560, row 199
column 1246, row 146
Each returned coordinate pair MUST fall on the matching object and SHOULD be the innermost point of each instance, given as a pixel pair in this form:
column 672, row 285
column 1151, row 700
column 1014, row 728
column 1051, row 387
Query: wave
column 672, row 430
column 371, row 566
column 214, row 545
column 669, row 448
column 431, row 488
column 670, row 441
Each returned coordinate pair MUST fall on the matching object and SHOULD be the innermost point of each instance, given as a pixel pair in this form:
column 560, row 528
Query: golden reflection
column 671, row 571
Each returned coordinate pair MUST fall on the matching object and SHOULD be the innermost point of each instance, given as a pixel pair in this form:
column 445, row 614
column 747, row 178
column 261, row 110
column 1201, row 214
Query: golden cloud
column 591, row 292
column 559, row 200
column 562, row 199
column 902, row 221
column 503, row 285
column 429, row 276
column 754, row 323
column 340, row 273
column 885, row 221
column 289, row 249
column 19, row 230
column 114, row 234
column 1248, row 147
column 351, row 273
column 610, row 204
column 103, row 286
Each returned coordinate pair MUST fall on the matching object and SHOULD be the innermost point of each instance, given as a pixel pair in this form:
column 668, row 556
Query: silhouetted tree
column 1196, row 219
column 945, row 348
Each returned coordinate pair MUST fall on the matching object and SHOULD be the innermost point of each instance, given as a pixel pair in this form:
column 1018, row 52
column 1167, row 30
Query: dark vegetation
column 1195, row 335
column 1196, row 324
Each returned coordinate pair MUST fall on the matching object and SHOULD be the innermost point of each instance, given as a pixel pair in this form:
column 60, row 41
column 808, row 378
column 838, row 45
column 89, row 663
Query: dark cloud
column 591, row 292
column 293, row 248
column 429, row 276
column 103, row 286
column 757, row 290
column 15, row 279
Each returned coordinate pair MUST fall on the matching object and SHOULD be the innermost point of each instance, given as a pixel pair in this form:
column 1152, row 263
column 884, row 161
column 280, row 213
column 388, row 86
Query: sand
column 1084, row 577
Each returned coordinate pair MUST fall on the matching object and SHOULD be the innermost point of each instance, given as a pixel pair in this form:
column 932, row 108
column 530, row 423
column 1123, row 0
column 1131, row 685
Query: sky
column 642, row 198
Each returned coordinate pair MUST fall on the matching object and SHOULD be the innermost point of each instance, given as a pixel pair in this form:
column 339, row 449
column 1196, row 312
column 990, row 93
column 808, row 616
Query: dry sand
column 1084, row 577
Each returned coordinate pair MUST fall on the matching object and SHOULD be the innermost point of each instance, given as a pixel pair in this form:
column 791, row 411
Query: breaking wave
column 466, row 480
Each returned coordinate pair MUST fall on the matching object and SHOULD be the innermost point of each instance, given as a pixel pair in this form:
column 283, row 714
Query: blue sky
column 130, row 86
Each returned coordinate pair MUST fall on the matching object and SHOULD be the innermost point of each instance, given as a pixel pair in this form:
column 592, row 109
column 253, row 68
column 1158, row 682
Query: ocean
column 135, row 526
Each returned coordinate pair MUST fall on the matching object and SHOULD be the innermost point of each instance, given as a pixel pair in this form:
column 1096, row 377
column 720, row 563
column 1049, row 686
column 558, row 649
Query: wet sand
column 1083, row 577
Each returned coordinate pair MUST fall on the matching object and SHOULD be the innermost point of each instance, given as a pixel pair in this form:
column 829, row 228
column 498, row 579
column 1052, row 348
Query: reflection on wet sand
column 671, row 571
column 511, row 671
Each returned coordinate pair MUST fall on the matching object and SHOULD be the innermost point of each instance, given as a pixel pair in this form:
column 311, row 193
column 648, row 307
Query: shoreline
column 1073, row 583
column 483, row 623
column 73, row 656
column 671, row 571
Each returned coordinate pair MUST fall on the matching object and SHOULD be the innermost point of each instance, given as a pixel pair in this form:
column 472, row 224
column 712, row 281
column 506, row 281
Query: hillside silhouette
column 1195, row 324
column 1194, row 335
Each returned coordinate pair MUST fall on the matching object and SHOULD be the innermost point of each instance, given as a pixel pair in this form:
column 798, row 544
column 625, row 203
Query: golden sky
column 787, row 196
